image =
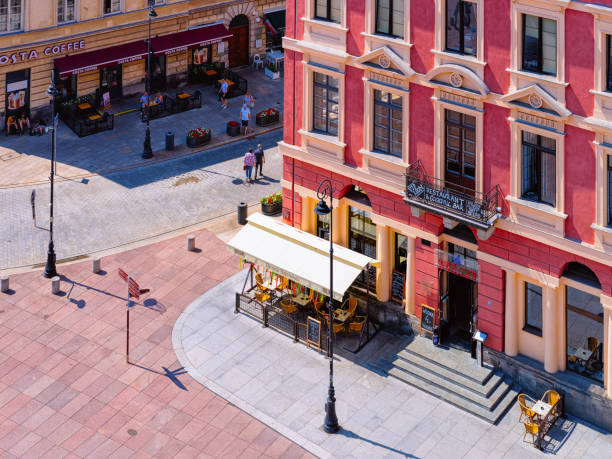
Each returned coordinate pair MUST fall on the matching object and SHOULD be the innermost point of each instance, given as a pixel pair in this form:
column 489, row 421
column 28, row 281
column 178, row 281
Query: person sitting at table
column 23, row 122
column 158, row 98
column 11, row 121
column 144, row 101
column 38, row 128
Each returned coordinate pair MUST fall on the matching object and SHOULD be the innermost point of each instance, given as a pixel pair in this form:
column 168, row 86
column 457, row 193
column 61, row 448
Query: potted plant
column 197, row 137
column 273, row 204
column 266, row 117
column 271, row 71
column 233, row 128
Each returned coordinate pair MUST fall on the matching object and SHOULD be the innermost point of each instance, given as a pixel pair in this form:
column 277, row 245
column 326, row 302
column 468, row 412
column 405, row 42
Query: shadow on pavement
column 351, row 434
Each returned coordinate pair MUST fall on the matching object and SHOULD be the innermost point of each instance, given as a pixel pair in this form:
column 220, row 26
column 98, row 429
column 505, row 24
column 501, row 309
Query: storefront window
column 65, row 11
column 533, row 309
column 362, row 239
column 584, row 319
column 10, row 15
column 401, row 253
column 275, row 29
column 17, row 92
column 323, row 226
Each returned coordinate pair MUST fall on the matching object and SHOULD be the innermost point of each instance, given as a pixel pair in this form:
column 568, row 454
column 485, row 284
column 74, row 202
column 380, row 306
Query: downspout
column 293, row 127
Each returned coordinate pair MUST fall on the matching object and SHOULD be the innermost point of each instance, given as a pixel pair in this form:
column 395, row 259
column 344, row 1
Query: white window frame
column 310, row 10
column 76, row 10
column 325, row 34
column 121, row 6
column 370, row 25
column 602, row 97
column 442, row 56
column 21, row 18
column 603, row 232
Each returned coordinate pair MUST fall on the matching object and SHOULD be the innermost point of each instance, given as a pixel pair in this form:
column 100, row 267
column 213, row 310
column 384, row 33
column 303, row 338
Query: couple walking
column 257, row 159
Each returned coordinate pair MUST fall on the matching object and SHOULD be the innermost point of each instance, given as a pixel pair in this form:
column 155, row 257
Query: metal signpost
column 133, row 290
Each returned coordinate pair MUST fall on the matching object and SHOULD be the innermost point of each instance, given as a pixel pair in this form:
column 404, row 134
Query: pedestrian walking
column 223, row 92
column 245, row 116
column 249, row 100
column 144, row 101
column 259, row 160
column 249, row 159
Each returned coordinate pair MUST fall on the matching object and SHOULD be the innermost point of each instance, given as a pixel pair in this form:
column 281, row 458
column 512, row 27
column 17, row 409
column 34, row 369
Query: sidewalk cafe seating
column 531, row 428
column 282, row 286
column 338, row 327
column 288, row 306
column 357, row 324
column 350, row 306
column 237, row 85
column 526, row 410
column 541, row 416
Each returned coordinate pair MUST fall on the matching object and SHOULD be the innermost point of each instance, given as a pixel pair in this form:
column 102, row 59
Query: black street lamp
column 50, row 270
column 330, row 425
column 147, row 151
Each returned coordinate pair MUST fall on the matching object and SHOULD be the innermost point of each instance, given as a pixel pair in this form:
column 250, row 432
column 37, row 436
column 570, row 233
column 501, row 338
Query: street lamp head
column 322, row 208
column 152, row 13
column 52, row 90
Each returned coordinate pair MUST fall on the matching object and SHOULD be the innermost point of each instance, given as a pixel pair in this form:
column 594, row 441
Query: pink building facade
column 470, row 146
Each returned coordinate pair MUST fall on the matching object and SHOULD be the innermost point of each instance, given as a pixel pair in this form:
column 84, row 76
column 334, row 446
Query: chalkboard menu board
column 313, row 332
column 398, row 281
column 427, row 318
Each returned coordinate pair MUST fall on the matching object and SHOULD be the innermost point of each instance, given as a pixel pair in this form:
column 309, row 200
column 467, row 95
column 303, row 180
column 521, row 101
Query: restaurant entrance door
column 460, row 308
column 239, row 43
column 111, row 81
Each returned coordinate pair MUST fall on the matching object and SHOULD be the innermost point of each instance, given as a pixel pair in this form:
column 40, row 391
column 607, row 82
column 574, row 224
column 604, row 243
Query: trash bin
column 242, row 213
column 169, row 140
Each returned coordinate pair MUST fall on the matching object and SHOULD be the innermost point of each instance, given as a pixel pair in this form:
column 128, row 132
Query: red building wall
column 579, row 61
column 496, row 45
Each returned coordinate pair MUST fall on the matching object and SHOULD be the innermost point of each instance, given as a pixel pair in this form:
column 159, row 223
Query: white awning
column 300, row 256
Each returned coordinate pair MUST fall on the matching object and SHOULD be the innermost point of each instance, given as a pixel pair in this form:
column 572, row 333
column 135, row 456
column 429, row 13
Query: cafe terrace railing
column 480, row 210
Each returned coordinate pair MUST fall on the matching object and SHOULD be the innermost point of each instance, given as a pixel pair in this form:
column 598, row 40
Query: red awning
column 194, row 38
column 94, row 60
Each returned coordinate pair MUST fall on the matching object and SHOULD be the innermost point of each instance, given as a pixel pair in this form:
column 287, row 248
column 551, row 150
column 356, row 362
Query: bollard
column 4, row 284
column 55, row 285
column 242, row 213
column 191, row 243
column 96, row 265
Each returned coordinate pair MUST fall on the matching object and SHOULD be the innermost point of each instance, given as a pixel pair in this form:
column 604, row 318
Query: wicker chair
column 357, row 324
column 531, row 428
column 350, row 305
column 552, row 398
column 526, row 410
column 288, row 306
column 338, row 327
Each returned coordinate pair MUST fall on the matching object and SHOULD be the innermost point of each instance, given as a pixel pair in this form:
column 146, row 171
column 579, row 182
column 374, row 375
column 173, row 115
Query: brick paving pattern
column 66, row 389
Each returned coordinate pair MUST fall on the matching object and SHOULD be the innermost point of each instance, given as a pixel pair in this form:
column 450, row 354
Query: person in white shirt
column 245, row 116
column 223, row 93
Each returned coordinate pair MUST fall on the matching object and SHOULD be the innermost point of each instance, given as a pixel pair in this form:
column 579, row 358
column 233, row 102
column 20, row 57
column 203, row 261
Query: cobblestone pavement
column 285, row 385
column 25, row 159
column 108, row 211
column 66, row 389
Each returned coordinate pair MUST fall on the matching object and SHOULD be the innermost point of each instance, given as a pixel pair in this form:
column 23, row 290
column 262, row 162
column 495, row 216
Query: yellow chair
column 288, row 306
column 357, row 324
column 338, row 327
column 526, row 410
column 322, row 316
column 259, row 281
column 552, row 397
column 350, row 305
column 262, row 297
column 282, row 286
column 531, row 428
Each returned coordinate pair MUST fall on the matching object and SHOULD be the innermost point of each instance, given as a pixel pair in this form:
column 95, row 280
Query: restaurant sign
column 47, row 51
column 458, row 264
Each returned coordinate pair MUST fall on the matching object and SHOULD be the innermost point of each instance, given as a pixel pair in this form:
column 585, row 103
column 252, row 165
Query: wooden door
column 239, row 45
column 460, row 151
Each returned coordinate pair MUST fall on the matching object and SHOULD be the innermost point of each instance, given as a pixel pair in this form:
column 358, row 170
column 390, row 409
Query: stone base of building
column 582, row 397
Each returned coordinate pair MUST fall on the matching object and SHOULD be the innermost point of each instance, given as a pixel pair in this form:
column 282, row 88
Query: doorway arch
column 239, row 43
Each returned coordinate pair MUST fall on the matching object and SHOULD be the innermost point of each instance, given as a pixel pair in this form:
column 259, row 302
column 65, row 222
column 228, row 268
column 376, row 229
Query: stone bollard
column 96, row 266
column 4, row 284
column 191, row 243
column 55, row 285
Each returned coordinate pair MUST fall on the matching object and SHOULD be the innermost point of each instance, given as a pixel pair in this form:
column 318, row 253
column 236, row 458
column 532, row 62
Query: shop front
column 17, row 94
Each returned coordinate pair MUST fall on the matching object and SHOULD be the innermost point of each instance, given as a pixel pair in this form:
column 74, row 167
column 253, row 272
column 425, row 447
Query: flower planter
column 272, row 209
column 265, row 119
column 272, row 75
column 197, row 141
column 233, row 129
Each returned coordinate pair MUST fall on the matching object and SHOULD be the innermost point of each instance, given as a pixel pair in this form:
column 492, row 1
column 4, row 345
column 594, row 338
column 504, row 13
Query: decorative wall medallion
column 384, row 61
column 455, row 80
column 535, row 101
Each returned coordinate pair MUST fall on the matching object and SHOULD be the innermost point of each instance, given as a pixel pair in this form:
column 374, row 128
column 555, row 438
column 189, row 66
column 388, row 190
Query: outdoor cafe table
column 541, row 409
column 341, row 315
column 583, row 354
column 94, row 117
column 301, row 299
column 84, row 106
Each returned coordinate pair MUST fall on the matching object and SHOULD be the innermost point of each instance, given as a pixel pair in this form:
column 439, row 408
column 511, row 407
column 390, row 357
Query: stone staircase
column 449, row 374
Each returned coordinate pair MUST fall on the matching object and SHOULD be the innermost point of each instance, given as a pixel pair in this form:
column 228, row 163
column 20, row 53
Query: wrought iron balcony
column 480, row 210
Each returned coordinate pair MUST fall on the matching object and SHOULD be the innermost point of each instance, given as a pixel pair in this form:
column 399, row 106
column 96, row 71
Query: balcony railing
column 462, row 204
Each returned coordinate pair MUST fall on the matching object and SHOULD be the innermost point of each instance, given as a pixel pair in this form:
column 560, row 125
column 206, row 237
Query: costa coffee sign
column 51, row 50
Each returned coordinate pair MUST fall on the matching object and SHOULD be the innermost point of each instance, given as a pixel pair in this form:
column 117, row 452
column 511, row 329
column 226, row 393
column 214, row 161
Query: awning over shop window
column 275, row 22
column 298, row 255
column 94, row 60
column 194, row 38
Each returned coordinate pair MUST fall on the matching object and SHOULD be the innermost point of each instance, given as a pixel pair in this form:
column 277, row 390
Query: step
column 486, row 414
column 459, row 379
column 453, row 360
column 431, row 379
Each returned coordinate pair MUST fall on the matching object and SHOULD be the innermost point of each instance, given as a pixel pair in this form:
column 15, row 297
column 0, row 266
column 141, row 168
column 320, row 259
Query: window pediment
column 386, row 61
column 458, row 77
column 537, row 99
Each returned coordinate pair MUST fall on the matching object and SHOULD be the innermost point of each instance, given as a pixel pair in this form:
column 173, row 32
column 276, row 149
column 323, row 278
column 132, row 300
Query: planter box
column 196, row 142
column 233, row 131
column 272, row 209
column 267, row 120
column 272, row 75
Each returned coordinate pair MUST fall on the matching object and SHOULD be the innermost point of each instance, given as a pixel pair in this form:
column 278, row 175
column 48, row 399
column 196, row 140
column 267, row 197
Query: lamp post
column 50, row 270
column 330, row 425
column 147, row 151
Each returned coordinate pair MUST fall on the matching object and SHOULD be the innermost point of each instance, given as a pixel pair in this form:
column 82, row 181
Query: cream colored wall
column 89, row 9
column 42, row 14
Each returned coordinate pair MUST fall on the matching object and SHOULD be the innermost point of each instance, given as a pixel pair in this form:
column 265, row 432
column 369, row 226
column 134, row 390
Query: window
column 460, row 150
column 539, row 45
column 390, row 17
column 65, row 11
column 461, row 27
column 112, row 6
column 609, row 179
column 538, row 169
column 323, row 226
column 10, row 15
column 387, row 123
column 325, row 106
column 328, row 10
column 401, row 253
column 362, row 239
column 608, row 68
column 533, row 309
